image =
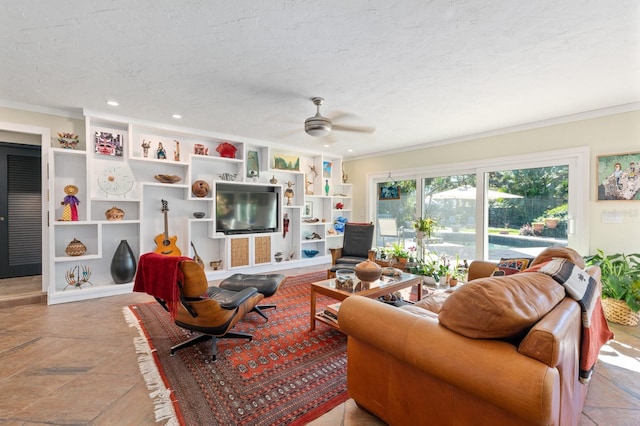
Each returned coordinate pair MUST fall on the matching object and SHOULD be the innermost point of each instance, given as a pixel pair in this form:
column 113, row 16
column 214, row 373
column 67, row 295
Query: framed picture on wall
column 108, row 142
column 389, row 193
column 253, row 164
column 307, row 211
column 618, row 177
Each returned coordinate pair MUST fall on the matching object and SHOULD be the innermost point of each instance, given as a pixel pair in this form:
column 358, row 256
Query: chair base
column 214, row 340
column 258, row 310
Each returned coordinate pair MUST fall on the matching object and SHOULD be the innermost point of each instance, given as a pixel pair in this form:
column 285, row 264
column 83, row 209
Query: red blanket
column 158, row 276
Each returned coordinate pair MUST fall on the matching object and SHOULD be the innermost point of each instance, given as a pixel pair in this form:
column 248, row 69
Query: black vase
column 123, row 264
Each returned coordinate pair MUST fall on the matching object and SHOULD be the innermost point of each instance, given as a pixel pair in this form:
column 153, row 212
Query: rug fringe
column 158, row 392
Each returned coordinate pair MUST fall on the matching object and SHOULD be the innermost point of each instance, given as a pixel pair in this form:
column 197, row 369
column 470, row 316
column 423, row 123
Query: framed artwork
column 618, row 177
column 389, row 193
column 253, row 164
column 307, row 211
column 326, row 169
column 286, row 162
column 108, row 143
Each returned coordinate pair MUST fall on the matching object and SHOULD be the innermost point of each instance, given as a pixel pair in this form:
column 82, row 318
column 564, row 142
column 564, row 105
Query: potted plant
column 426, row 226
column 620, row 285
column 400, row 253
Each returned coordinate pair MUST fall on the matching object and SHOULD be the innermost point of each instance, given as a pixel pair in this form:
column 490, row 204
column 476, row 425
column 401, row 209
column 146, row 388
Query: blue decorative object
column 338, row 224
column 310, row 253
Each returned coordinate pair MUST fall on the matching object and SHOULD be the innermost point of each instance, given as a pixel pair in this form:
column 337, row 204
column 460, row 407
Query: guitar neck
column 166, row 226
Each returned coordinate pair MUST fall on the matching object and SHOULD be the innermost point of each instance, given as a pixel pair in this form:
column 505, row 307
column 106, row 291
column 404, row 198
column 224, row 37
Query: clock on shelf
column 115, row 180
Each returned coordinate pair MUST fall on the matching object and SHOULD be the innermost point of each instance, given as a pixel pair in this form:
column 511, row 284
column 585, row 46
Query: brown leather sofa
column 407, row 368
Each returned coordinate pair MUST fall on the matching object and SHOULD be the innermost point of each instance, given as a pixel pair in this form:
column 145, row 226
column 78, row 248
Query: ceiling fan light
column 317, row 126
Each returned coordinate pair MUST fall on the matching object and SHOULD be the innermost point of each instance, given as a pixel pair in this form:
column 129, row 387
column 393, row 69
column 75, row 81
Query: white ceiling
column 421, row 72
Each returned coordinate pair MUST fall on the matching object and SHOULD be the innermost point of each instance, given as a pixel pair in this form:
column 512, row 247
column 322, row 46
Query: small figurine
column 145, row 148
column 285, row 225
column 70, row 203
column 326, row 187
column 307, row 185
column 160, row 152
column 199, row 149
column 68, row 140
column 176, row 153
column 288, row 193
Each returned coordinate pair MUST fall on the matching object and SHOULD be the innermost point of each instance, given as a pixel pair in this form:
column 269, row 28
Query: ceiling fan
column 319, row 126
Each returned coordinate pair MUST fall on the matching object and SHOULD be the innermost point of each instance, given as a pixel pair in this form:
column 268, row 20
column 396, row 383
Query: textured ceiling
column 420, row 72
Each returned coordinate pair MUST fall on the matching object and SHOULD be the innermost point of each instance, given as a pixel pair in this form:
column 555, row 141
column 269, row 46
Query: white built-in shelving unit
column 312, row 210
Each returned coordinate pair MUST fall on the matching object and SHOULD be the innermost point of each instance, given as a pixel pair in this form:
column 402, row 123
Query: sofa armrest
column 481, row 269
column 492, row 370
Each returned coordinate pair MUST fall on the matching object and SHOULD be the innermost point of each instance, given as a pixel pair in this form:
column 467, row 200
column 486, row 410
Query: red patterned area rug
column 287, row 375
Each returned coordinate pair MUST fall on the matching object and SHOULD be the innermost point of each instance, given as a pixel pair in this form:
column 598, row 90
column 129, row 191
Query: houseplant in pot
column 620, row 286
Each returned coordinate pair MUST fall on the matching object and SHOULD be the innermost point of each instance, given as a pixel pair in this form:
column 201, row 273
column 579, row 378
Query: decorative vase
column 368, row 271
column 123, row 264
column 75, row 248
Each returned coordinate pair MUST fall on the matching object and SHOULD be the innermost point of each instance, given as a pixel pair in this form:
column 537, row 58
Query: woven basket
column 618, row 312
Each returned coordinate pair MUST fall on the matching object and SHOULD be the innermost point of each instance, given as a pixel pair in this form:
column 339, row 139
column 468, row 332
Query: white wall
column 56, row 123
column 607, row 135
column 611, row 134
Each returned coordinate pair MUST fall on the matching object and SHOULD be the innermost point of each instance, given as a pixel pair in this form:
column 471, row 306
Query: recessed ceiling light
column 112, row 103
column 326, row 145
column 350, row 150
column 177, row 116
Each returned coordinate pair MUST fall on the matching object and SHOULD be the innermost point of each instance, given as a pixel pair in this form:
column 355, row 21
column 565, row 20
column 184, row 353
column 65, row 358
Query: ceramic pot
column 114, row 213
column 200, row 188
column 75, row 248
column 123, row 264
column 368, row 271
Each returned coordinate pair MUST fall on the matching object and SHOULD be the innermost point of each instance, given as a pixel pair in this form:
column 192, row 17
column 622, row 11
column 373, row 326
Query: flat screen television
column 244, row 209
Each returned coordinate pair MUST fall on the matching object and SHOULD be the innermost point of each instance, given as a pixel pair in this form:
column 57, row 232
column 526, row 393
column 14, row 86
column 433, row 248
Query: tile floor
column 75, row 364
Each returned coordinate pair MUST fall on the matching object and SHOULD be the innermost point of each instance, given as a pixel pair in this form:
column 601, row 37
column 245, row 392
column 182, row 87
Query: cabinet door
column 262, row 250
column 239, row 255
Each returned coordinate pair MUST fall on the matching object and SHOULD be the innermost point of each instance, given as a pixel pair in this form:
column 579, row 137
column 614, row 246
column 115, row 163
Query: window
column 496, row 208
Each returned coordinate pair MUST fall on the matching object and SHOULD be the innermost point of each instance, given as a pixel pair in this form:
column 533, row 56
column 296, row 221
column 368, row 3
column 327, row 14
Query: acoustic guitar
column 197, row 258
column 164, row 243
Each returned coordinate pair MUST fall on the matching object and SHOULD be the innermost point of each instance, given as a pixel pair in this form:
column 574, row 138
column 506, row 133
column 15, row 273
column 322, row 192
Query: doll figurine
column 70, row 203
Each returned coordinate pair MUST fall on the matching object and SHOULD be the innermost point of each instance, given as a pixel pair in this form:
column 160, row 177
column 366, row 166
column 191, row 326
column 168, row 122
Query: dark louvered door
column 20, row 210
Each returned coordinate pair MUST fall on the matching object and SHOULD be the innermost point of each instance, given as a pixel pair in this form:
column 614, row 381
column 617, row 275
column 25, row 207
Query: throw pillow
column 510, row 266
column 500, row 307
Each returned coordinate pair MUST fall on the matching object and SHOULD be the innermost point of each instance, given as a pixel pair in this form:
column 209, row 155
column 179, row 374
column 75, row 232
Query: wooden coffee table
column 384, row 285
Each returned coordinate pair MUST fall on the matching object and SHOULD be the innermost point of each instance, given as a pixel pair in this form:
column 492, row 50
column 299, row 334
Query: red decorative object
column 339, row 206
column 225, row 149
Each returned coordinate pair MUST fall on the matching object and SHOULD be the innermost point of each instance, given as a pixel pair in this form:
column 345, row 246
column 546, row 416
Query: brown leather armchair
column 356, row 247
column 209, row 312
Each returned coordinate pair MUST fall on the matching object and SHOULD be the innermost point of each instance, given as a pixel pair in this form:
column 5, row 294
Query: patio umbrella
column 469, row 193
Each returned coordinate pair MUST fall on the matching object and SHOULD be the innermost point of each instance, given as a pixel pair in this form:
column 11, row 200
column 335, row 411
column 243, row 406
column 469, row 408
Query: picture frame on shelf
column 617, row 177
column 326, row 169
column 389, row 192
column 307, row 210
column 253, row 164
column 108, row 142
column 286, row 162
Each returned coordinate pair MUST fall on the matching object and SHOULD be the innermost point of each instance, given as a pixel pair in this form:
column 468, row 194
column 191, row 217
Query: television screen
column 244, row 211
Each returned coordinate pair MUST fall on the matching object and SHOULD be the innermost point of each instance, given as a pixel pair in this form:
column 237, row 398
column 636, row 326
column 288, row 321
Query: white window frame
column 578, row 160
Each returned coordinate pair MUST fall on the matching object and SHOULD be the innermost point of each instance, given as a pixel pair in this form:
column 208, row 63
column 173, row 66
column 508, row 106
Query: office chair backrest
column 358, row 238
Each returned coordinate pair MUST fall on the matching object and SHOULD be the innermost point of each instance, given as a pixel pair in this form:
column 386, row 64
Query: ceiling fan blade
column 359, row 129
column 337, row 115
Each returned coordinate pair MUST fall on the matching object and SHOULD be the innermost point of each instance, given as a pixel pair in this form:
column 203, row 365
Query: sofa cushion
column 433, row 302
column 500, row 307
column 510, row 266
